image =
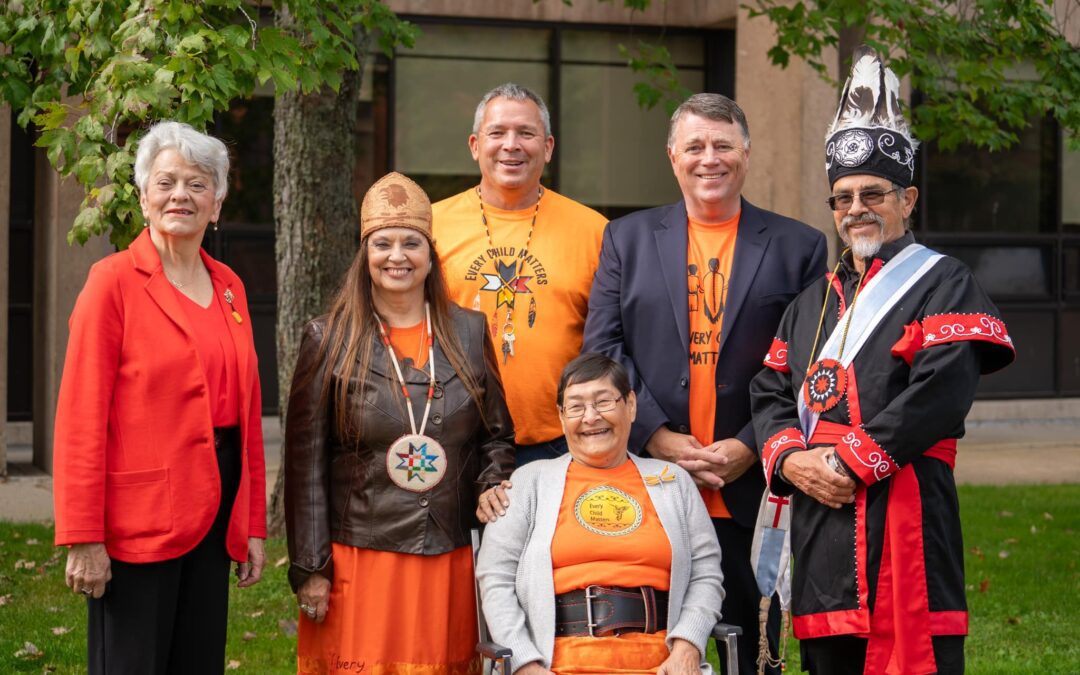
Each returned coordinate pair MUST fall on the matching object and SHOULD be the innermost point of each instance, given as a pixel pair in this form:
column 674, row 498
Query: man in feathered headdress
column 863, row 398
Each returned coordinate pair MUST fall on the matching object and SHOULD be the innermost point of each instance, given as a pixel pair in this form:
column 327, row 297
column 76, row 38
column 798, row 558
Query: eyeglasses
column 871, row 197
column 601, row 405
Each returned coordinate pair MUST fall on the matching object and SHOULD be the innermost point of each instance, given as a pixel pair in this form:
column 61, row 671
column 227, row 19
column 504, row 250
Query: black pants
column 552, row 449
column 171, row 616
column 741, row 596
column 846, row 655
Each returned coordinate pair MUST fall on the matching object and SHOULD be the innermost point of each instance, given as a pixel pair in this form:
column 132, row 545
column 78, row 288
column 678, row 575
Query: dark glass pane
column 21, row 264
column 264, row 327
column 1008, row 271
column 252, row 258
column 20, row 259
column 248, row 129
column 1069, row 339
column 975, row 190
column 1071, row 270
column 20, row 364
column 1032, row 372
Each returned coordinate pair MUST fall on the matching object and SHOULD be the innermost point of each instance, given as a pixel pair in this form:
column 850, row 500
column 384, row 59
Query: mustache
column 868, row 218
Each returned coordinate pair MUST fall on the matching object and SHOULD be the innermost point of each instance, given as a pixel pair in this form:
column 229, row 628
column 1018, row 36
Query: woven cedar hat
column 395, row 201
column 869, row 134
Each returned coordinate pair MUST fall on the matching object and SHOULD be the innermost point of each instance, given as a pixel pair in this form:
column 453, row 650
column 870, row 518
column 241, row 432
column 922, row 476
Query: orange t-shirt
column 709, row 252
column 547, row 286
column 608, row 532
column 410, row 343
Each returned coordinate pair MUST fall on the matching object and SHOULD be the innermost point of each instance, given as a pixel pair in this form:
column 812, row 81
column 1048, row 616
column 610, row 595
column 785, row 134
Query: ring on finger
column 86, row 590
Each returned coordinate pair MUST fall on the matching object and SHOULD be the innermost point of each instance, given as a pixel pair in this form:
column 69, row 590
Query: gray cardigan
column 514, row 568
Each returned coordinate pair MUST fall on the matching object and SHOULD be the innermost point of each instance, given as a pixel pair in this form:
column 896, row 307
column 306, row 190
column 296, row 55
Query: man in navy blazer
column 688, row 297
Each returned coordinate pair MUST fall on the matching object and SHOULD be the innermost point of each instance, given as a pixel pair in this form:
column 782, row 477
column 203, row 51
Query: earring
column 214, row 225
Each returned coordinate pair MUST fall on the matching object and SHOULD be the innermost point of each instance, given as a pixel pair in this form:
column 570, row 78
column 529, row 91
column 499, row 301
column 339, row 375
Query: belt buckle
column 588, row 609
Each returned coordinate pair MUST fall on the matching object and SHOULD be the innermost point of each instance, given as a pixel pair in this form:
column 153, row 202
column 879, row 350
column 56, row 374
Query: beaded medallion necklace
column 511, row 285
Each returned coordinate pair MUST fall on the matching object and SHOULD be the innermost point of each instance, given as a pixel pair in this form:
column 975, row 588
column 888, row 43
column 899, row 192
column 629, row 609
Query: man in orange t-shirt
column 687, row 297
column 525, row 257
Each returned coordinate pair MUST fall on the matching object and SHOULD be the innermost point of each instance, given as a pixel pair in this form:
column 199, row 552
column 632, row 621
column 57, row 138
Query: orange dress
column 395, row 613
column 609, row 534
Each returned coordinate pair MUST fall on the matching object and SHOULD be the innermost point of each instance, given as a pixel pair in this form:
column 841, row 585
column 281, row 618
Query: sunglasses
column 871, row 197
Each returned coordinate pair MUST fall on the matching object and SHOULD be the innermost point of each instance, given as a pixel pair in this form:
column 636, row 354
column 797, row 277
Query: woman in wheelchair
column 604, row 562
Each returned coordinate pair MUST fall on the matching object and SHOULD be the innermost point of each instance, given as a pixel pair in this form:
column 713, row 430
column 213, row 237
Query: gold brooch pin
column 229, row 299
column 664, row 477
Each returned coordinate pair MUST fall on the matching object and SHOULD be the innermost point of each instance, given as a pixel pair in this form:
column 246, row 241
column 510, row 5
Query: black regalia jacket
column 890, row 566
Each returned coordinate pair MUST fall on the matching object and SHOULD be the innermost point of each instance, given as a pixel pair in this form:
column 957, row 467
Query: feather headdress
column 869, row 134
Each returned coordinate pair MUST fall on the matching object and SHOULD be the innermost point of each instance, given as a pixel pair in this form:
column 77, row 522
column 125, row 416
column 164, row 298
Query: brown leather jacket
column 339, row 489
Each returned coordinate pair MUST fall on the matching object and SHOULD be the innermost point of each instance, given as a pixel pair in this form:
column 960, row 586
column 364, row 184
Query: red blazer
column 134, row 460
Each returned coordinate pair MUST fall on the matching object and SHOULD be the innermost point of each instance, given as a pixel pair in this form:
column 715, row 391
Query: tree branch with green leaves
column 85, row 72
column 982, row 70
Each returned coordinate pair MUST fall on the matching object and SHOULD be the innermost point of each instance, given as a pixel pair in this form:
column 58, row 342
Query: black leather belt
column 607, row 610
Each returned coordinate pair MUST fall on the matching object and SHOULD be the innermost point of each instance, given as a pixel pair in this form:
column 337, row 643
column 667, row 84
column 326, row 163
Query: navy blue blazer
column 639, row 316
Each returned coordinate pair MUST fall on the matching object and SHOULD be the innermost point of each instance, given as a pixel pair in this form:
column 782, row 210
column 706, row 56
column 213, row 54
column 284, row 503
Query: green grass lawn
column 1023, row 592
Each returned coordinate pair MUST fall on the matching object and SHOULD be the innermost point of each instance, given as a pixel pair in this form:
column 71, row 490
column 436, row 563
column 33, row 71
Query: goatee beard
column 863, row 247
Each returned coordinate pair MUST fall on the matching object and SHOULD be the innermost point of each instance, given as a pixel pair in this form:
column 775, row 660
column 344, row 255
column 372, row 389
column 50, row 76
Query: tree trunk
column 316, row 218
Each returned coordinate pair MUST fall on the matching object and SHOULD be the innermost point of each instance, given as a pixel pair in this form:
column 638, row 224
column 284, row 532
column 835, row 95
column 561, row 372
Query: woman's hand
column 88, row 569
column 249, row 573
column 493, row 503
column 533, row 668
column 685, row 659
column 314, row 597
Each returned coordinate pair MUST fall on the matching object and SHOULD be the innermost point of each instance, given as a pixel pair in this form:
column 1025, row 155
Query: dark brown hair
column 592, row 366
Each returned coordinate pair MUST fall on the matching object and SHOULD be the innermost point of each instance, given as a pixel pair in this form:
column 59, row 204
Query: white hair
column 205, row 152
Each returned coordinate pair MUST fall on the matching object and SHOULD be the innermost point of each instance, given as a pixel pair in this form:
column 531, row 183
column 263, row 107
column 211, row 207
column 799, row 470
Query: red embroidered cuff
column 777, row 356
column 788, row 439
column 865, row 457
column 942, row 328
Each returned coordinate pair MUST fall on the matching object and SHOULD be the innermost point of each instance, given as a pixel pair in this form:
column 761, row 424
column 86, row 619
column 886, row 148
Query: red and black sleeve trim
column 865, row 457
column 777, row 356
column 943, row 328
column 788, row 439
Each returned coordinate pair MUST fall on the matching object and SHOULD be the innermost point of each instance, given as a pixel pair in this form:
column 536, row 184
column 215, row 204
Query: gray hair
column 205, row 152
column 514, row 92
column 900, row 189
column 715, row 107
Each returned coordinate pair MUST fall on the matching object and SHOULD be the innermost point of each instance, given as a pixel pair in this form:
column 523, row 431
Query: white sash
column 876, row 300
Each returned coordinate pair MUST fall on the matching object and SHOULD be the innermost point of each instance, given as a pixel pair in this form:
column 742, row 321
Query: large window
column 1014, row 218
column 244, row 239
column 609, row 153
column 20, row 255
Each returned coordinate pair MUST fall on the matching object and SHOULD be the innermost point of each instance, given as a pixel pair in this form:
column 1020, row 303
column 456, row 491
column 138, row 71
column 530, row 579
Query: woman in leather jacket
column 396, row 431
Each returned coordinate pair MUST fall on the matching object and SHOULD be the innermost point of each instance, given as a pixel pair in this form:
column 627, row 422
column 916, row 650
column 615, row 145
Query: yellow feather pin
column 664, row 477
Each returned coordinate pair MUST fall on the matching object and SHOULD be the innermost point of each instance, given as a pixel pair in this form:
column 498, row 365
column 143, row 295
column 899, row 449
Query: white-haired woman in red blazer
column 158, row 457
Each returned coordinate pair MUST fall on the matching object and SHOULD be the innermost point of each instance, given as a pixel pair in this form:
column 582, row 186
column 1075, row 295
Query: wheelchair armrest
column 723, row 630
column 495, row 652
